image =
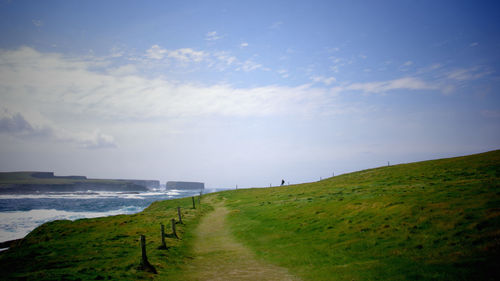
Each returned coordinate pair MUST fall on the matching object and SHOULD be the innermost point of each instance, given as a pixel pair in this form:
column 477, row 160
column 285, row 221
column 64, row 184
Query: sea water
column 20, row 214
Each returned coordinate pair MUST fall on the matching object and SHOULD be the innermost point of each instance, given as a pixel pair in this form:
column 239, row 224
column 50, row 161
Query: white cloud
column 117, row 52
column 226, row 58
column 17, row 125
column 335, row 59
column 338, row 63
column 474, row 44
column 464, row 74
column 183, row 54
column 212, row 36
column 435, row 66
column 460, row 75
column 220, row 60
column 408, row 63
column 68, row 87
column 244, row 44
column 249, row 65
column 405, row 83
column 186, row 54
column 334, row 68
column 156, row 52
column 283, row 73
column 37, row 23
column 127, row 69
column 325, row 80
column 98, row 140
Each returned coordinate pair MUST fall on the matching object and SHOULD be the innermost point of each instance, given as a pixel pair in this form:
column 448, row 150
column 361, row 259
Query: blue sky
column 230, row 93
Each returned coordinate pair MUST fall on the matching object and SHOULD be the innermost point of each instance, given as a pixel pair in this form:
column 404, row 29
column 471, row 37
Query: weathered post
column 194, row 207
column 145, row 265
column 179, row 214
column 163, row 245
column 174, row 233
column 143, row 248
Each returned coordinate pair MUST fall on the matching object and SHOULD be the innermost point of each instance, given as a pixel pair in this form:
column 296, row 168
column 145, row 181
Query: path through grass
column 218, row 256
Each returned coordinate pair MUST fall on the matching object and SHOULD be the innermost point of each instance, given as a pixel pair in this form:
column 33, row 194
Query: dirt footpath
column 218, row 256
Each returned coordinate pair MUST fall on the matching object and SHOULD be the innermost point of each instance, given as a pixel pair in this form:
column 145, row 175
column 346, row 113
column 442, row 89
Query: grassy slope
column 429, row 220
column 436, row 220
column 102, row 248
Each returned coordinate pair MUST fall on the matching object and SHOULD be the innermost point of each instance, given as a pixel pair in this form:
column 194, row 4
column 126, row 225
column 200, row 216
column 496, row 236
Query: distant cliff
column 39, row 182
column 180, row 185
column 50, row 175
column 145, row 183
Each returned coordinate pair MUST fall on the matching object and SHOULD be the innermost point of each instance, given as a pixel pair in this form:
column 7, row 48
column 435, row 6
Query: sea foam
column 21, row 213
column 17, row 224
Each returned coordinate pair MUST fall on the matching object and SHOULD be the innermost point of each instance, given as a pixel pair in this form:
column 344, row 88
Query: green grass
column 103, row 248
column 433, row 220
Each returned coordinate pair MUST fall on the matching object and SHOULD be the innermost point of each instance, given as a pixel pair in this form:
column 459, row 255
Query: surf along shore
column 429, row 220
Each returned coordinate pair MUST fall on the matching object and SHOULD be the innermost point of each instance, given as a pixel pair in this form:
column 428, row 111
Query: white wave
column 182, row 191
column 155, row 189
column 15, row 225
column 173, row 192
column 86, row 195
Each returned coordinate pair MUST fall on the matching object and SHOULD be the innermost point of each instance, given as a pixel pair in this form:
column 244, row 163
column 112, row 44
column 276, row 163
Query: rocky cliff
column 180, row 185
column 39, row 182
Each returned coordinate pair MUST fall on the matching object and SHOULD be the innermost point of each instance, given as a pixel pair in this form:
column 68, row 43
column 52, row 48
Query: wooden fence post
column 174, row 233
column 194, row 207
column 143, row 248
column 163, row 245
column 179, row 214
column 145, row 265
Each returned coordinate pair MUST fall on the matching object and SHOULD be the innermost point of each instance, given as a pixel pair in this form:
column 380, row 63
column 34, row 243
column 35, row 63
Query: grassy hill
column 433, row 220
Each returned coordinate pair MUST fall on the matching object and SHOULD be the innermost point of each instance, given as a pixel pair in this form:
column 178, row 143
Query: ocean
column 21, row 213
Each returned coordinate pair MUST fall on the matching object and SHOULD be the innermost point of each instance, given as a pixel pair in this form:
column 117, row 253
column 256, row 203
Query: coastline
column 22, row 213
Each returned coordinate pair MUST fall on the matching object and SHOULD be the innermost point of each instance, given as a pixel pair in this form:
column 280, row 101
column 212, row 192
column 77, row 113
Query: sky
column 244, row 93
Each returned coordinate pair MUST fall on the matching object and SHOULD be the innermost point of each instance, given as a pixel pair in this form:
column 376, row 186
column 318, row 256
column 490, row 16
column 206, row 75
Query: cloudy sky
column 247, row 93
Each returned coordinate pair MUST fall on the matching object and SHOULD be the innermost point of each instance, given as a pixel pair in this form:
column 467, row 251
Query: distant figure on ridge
column 282, row 182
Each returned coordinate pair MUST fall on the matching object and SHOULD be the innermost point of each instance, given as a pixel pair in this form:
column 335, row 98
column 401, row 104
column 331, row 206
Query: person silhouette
column 282, row 182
